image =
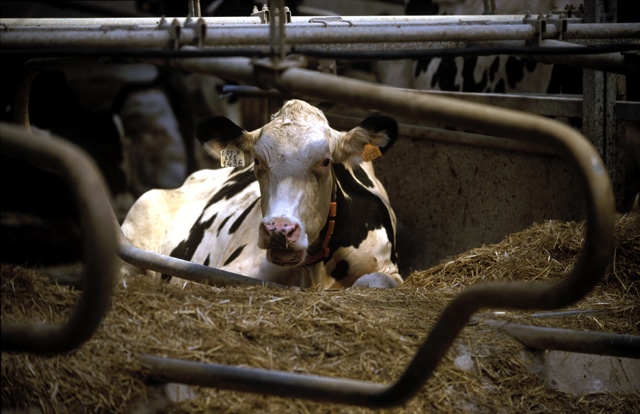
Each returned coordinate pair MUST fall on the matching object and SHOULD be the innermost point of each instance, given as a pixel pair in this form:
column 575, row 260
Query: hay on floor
column 362, row 334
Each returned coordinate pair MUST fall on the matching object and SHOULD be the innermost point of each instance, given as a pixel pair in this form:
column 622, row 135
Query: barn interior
column 476, row 205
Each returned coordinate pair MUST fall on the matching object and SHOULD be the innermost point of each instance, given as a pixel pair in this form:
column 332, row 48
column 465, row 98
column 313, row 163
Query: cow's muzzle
column 279, row 233
column 280, row 237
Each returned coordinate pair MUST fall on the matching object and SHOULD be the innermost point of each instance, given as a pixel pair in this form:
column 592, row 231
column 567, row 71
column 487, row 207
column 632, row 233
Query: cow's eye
column 326, row 162
column 256, row 162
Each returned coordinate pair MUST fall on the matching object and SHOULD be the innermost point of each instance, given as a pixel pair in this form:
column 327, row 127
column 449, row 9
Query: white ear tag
column 232, row 156
column 371, row 152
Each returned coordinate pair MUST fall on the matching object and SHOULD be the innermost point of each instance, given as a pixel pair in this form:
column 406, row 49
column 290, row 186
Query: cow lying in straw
column 308, row 211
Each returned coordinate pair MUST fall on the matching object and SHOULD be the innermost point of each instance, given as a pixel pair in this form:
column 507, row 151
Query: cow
column 486, row 74
column 308, row 211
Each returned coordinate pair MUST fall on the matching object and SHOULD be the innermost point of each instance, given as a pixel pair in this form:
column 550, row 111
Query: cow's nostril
column 280, row 233
column 294, row 233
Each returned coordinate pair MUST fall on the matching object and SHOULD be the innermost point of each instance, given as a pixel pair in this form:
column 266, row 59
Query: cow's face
column 293, row 156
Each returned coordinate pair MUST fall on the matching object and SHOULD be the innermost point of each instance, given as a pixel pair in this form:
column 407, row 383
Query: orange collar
column 324, row 247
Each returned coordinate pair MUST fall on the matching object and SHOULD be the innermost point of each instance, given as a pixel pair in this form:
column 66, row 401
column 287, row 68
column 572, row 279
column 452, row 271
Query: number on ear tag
column 371, row 152
column 232, row 156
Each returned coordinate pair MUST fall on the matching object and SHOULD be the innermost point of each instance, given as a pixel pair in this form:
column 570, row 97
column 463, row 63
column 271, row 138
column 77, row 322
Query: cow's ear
column 369, row 140
column 217, row 132
column 383, row 130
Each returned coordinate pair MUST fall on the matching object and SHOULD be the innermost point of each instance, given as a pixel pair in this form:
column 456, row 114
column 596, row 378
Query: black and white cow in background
column 509, row 74
column 498, row 74
column 274, row 219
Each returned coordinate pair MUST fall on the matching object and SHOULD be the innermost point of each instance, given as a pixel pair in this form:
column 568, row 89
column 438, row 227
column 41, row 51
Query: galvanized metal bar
column 450, row 137
column 601, row 31
column 367, row 34
column 180, row 268
column 58, row 156
column 549, row 105
column 600, row 125
column 611, row 62
column 152, row 22
column 268, row 382
column 590, row 265
column 600, row 343
column 194, row 8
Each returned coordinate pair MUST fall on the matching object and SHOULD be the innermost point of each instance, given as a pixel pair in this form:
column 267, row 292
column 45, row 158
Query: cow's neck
column 323, row 251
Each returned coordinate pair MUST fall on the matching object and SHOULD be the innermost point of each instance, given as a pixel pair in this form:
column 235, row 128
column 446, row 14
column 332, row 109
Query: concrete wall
column 450, row 198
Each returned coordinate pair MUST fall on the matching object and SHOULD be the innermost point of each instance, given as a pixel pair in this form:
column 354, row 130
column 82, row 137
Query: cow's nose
column 280, row 233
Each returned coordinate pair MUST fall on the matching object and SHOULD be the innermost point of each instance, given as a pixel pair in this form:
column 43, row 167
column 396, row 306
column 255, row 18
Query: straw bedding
column 363, row 334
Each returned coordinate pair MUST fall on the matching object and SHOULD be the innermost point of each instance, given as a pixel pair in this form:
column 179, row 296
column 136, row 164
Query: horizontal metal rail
column 596, row 253
column 152, row 22
column 140, row 33
column 58, row 156
column 600, row 343
column 181, row 268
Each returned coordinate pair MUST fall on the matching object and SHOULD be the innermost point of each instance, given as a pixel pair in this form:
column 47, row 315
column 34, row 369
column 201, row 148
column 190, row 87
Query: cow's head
column 293, row 156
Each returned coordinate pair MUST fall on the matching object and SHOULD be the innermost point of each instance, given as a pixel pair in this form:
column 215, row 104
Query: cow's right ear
column 217, row 132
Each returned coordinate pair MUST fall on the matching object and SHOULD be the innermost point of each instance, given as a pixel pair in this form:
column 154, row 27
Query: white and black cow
column 487, row 74
column 308, row 211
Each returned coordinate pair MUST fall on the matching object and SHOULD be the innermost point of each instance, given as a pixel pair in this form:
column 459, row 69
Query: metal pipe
column 578, row 152
column 57, row 155
column 97, row 23
column 600, row 343
column 141, row 33
column 609, row 62
column 600, row 31
column 152, row 22
column 239, row 69
column 180, row 268
column 590, row 265
column 262, row 381
column 259, row 35
column 194, row 8
column 450, row 137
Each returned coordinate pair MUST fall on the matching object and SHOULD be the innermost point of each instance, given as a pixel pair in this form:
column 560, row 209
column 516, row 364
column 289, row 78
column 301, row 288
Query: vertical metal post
column 276, row 29
column 194, row 8
column 600, row 93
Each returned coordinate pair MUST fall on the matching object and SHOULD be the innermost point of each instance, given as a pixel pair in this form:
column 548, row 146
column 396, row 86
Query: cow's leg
column 376, row 280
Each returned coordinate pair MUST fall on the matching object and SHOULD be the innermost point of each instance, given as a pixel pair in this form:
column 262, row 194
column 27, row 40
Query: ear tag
column 371, row 152
column 232, row 156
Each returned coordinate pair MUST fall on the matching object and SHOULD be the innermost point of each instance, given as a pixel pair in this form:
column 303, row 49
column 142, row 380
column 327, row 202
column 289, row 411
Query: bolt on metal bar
column 57, row 155
column 588, row 269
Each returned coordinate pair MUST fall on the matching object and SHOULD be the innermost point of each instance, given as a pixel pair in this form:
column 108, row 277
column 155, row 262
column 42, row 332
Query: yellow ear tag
column 232, row 156
column 371, row 152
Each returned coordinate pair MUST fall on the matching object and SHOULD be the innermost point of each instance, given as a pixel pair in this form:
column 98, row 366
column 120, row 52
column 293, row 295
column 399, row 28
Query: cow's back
column 209, row 220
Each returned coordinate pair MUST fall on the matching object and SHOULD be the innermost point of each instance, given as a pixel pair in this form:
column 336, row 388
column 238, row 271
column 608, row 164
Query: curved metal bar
column 28, row 73
column 85, row 180
column 590, row 266
column 578, row 152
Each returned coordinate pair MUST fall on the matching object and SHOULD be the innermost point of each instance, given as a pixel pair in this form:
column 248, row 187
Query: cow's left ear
column 369, row 140
column 217, row 132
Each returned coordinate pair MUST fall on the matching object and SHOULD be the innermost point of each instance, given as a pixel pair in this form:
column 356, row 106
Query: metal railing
column 284, row 75
column 58, row 156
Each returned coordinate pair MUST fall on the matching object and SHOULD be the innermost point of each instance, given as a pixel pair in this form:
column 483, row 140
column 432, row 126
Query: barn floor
column 363, row 334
